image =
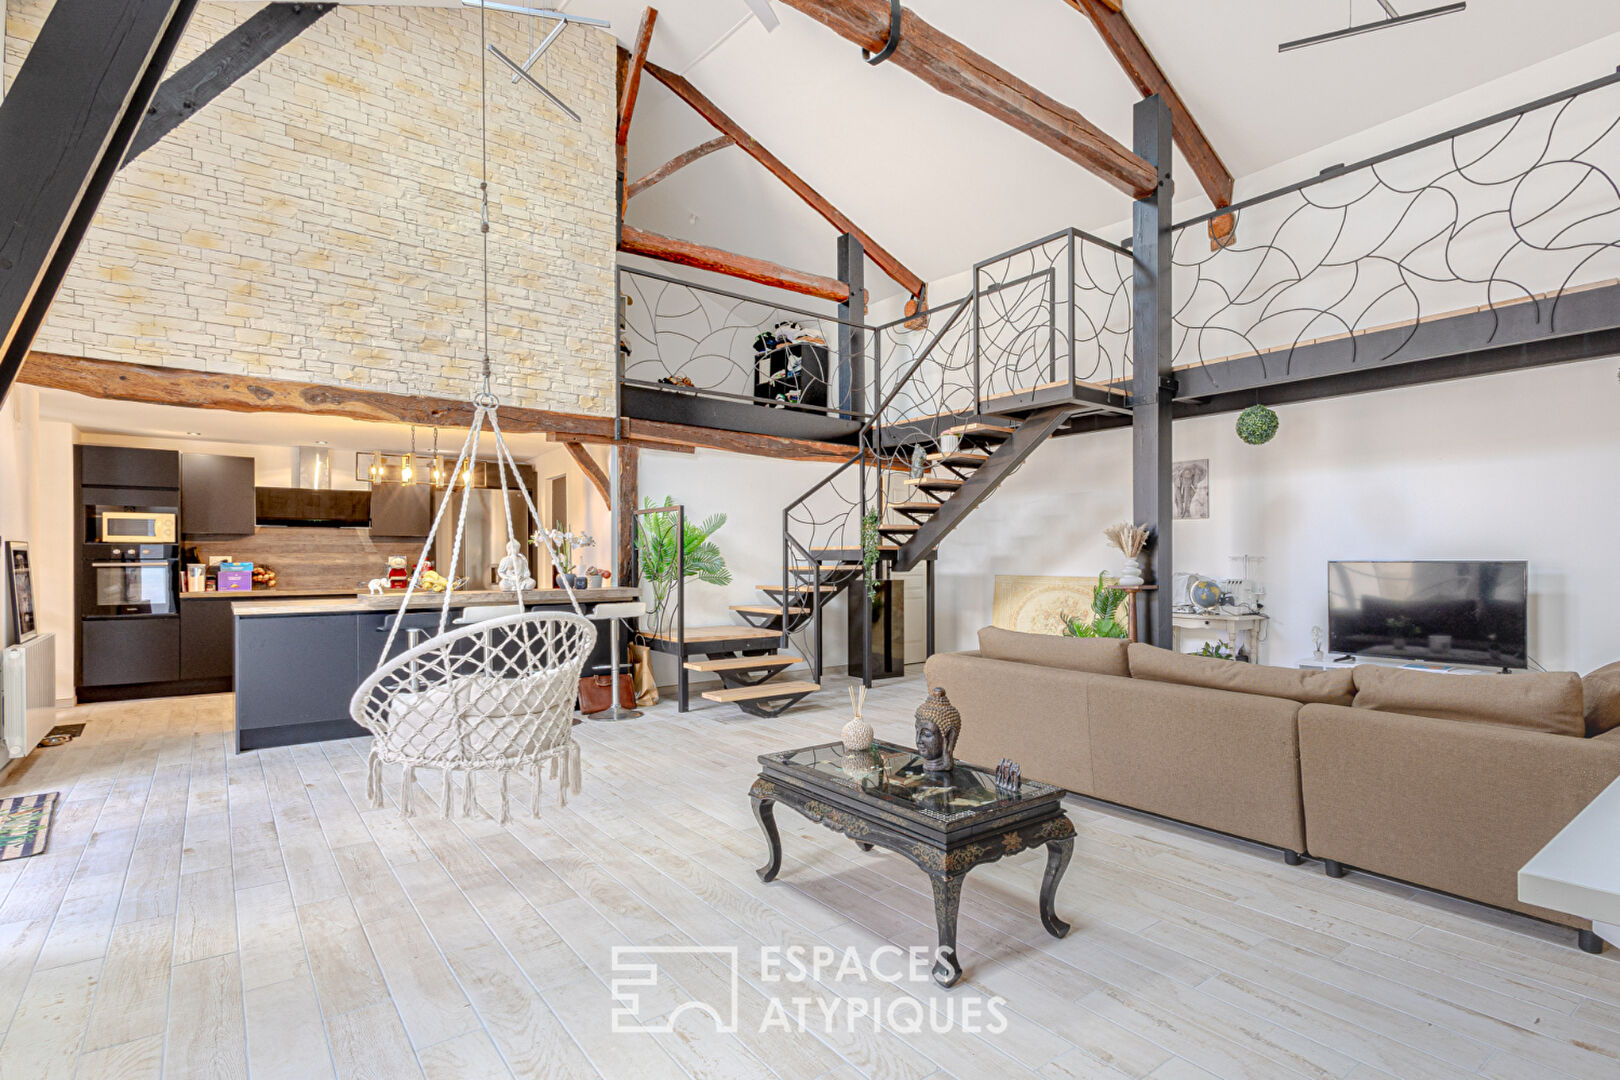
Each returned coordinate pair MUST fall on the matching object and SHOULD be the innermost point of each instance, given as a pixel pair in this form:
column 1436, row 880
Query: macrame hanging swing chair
column 488, row 694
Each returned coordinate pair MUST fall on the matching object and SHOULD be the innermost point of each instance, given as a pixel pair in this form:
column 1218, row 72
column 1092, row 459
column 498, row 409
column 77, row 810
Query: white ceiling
column 942, row 185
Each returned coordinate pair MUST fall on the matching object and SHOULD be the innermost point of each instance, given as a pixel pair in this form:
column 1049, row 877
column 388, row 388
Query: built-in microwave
column 151, row 526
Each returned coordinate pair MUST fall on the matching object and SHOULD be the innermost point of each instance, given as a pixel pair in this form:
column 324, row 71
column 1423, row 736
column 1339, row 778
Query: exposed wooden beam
column 816, row 201
column 639, row 444
column 742, row 442
column 632, row 76
column 219, row 66
column 70, row 114
column 593, row 471
column 675, row 165
column 627, row 463
column 635, row 241
column 1149, row 79
column 952, row 68
column 115, row 380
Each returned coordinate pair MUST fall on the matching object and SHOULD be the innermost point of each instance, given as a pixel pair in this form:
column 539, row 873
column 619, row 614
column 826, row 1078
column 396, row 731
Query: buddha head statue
column 938, row 725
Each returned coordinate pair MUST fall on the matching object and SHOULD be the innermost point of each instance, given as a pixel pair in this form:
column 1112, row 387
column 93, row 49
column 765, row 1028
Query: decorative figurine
column 857, row 734
column 513, row 571
column 1316, row 639
column 1009, row 777
column 938, row 725
column 919, row 462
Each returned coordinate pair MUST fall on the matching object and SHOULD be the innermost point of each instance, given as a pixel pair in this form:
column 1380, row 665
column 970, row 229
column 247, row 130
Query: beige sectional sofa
column 1447, row 781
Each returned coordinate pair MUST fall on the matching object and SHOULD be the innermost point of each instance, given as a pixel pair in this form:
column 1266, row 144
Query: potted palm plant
column 657, row 550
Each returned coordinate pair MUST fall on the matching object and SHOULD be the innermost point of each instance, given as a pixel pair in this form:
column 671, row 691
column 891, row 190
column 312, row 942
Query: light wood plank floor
column 206, row 914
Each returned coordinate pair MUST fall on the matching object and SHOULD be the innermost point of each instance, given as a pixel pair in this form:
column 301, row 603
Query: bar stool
column 630, row 609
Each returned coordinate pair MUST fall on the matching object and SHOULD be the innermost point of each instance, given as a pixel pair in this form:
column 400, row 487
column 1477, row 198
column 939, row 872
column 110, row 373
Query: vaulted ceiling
column 942, row 184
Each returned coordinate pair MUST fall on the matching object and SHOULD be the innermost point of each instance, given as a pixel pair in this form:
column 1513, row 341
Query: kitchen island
column 299, row 660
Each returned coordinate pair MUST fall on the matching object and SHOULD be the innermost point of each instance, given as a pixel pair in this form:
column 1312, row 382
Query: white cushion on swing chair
column 483, row 695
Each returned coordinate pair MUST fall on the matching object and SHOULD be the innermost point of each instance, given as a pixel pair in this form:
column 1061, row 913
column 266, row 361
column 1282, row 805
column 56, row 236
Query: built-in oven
column 121, row 524
column 131, row 579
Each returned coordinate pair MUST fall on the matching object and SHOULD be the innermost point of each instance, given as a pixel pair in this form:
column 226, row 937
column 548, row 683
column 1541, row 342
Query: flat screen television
column 1435, row 611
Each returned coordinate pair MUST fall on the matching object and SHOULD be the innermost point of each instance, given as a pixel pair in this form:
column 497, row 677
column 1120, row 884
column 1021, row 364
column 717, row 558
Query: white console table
column 1578, row 872
column 1243, row 631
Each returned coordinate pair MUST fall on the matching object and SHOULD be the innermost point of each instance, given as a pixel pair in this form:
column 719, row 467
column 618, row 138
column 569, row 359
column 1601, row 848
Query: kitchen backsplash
column 314, row 558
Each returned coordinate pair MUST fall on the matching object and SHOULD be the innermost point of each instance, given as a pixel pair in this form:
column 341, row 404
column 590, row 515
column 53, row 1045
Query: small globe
column 1206, row 594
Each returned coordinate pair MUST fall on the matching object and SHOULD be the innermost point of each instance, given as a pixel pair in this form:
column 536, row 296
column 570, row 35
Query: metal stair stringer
column 1031, row 432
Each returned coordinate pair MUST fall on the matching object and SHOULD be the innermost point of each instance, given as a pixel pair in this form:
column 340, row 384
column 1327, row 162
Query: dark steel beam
column 1153, row 391
column 219, row 66
column 66, row 123
column 1527, row 323
column 851, row 313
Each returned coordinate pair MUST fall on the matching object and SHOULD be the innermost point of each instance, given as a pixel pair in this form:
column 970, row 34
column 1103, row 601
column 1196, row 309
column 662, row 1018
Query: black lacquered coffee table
column 946, row 825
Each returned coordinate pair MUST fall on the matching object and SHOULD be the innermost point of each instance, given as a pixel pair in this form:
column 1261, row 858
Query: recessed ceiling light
column 320, row 442
column 193, row 433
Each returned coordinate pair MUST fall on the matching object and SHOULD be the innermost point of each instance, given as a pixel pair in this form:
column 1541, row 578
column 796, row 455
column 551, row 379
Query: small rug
column 25, row 825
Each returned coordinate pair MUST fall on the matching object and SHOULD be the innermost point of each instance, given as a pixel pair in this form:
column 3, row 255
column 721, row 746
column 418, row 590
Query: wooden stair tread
column 762, row 692
column 827, row 567
column 881, row 547
column 744, row 663
column 936, row 481
column 961, row 457
column 980, row 428
column 722, row 633
column 768, row 609
column 796, row 588
column 900, row 527
column 916, row 507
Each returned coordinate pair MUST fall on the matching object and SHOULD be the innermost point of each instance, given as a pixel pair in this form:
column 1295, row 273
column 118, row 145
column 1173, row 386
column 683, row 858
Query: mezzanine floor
column 204, row 914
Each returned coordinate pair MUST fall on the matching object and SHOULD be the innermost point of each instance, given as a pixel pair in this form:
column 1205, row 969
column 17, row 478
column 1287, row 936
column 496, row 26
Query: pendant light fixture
column 438, row 462
column 1391, row 18
column 407, row 468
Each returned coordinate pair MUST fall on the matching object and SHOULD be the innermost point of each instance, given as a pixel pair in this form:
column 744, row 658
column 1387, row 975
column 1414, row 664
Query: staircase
column 761, row 679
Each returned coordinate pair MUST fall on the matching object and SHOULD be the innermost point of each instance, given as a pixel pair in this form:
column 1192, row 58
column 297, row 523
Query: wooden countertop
column 230, row 594
column 362, row 603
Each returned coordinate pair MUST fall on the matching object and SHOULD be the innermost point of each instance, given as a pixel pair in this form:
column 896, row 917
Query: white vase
column 857, row 735
column 1131, row 576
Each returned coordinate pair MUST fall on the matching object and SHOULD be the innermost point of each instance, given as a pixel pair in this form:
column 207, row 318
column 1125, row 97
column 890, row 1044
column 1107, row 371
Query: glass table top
column 894, row 775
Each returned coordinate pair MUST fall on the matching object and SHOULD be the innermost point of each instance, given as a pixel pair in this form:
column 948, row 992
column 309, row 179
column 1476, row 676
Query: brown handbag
column 596, row 693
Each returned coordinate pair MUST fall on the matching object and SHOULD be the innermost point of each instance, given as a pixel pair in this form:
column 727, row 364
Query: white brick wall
column 319, row 220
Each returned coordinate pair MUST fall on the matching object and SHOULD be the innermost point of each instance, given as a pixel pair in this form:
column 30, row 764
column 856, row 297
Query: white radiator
column 28, row 693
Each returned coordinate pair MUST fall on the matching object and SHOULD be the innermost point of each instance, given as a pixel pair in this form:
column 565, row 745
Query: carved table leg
column 947, row 899
column 765, row 811
column 1057, row 861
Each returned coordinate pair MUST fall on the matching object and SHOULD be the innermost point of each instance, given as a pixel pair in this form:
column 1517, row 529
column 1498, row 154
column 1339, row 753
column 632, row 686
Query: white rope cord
column 427, row 546
column 551, row 550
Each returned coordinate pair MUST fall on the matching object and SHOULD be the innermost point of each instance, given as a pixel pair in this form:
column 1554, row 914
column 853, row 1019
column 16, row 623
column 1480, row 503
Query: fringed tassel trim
column 469, row 800
column 444, row 796
column 534, row 804
column 374, row 779
column 575, row 777
column 506, row 802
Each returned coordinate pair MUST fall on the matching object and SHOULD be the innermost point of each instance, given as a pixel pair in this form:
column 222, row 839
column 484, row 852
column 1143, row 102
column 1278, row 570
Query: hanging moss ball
column 1256, row 425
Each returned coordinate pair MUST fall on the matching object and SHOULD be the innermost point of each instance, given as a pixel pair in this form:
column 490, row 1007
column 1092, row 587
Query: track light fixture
column 1391, row 18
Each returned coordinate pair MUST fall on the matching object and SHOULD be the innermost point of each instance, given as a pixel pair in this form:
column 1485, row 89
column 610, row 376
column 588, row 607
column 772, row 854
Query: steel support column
column 1153, row 389
column 851, row 342
column 72, row 111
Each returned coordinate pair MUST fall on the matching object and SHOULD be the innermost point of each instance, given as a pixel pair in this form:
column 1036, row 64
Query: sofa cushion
column 1600, row 690
column 1100, row 656
column 1305, row 687
column 1541, row 701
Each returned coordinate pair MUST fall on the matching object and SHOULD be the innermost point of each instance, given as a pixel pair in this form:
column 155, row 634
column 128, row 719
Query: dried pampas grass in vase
column 1129, row 540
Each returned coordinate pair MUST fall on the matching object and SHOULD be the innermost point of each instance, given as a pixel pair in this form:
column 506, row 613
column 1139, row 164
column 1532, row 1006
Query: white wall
column 751, row 492
column 1515, row 466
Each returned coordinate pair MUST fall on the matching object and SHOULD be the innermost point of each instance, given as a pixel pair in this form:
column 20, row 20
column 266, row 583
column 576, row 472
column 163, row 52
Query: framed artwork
column 20, row 575
column 1036, row 603
column 1189, row 489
